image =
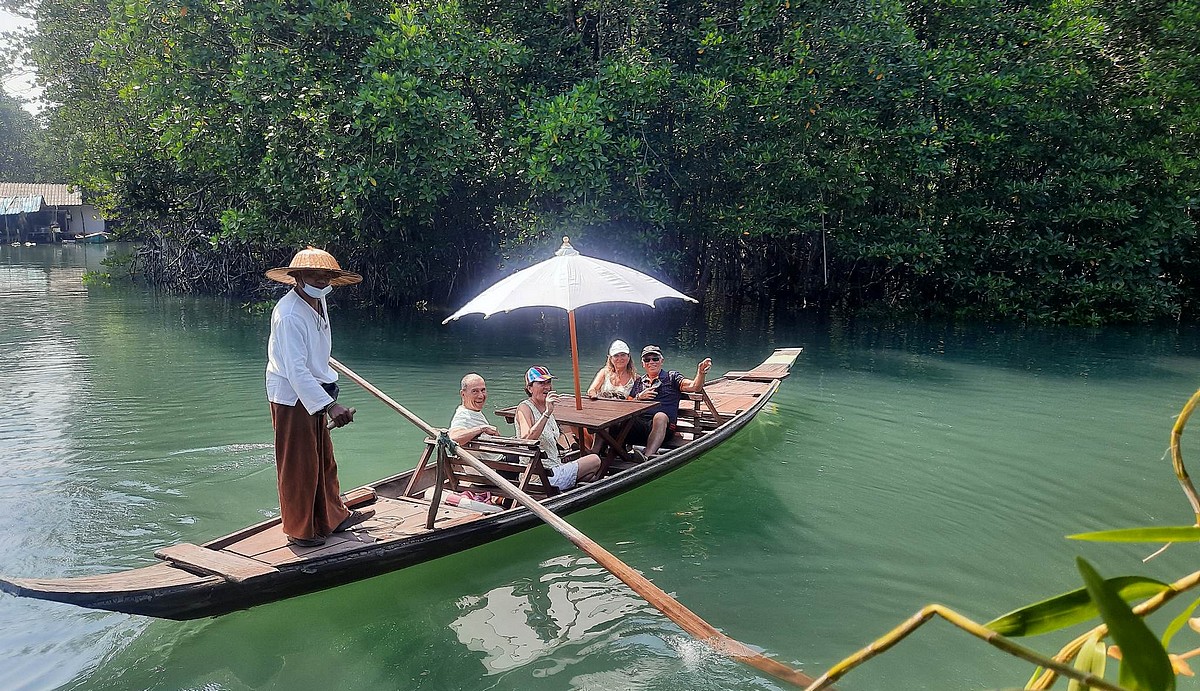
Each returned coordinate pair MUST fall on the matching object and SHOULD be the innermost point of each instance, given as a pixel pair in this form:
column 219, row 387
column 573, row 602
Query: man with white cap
column 302, row 389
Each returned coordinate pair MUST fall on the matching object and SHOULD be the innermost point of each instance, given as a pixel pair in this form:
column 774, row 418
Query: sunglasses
column 651, row 358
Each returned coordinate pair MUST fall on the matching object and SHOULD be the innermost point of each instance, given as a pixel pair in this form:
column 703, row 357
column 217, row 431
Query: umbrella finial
column 566, row 250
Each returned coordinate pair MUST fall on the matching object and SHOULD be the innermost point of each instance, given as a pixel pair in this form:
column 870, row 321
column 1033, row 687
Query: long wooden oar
column 684, row 617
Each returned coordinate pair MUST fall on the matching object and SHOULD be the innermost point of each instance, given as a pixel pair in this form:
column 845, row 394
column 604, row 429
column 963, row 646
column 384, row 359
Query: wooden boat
column 256, row 565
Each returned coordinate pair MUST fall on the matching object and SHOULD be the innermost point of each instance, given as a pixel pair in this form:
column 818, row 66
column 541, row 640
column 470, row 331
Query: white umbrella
column 568, row 281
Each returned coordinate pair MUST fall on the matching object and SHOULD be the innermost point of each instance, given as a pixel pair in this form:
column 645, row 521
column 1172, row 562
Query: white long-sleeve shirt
column 298, row 355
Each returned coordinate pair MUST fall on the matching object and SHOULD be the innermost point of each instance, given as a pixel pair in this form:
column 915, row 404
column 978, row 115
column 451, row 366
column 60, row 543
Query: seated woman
column 615, row 379
column 535, row 420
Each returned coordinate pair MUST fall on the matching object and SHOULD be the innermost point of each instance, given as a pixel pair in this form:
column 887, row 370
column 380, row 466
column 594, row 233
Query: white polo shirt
column 298, row 355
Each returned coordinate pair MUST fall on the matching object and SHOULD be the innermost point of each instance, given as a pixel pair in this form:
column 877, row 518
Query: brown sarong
column 309, row 497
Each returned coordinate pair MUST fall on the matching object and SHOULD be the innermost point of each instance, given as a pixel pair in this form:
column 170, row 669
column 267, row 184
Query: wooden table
column 610, row 420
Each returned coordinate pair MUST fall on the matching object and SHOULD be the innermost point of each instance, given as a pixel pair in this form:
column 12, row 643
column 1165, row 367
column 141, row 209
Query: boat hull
column 164, row 590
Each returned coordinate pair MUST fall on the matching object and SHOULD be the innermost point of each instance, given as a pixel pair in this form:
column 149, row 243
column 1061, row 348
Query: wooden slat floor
column 734, row 386
column 732, row 396
column 394, row 519
column 213, row 561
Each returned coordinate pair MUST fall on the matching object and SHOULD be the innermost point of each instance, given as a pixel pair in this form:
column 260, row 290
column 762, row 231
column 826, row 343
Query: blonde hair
column 608, row 365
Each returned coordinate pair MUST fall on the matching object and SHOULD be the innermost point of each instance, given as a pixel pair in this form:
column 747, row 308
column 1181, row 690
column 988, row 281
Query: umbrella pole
column 575, row 359
column 675, row 611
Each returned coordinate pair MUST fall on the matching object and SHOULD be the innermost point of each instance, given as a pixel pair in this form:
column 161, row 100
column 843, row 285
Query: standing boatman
column 302, row 389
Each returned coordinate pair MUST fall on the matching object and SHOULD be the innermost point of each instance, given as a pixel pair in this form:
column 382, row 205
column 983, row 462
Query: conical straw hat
column 313, row 258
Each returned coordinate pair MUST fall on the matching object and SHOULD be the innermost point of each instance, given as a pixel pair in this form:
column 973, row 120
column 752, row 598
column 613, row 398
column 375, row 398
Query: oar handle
column 330, row 425
column 676, row 612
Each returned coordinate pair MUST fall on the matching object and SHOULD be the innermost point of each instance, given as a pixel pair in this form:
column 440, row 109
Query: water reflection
column 570, row 600
column 577, row 625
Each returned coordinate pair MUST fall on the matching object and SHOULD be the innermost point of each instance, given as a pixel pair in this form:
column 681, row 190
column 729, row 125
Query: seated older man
column 469, row 421
column 666, row 387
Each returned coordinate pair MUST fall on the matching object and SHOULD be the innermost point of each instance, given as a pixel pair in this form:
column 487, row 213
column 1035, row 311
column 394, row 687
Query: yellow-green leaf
column 1069, row 608
column 1177, row 624
column 1182, row 533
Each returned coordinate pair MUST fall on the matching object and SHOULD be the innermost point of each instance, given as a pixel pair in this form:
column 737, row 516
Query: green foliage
column 1031, row 161
column 18, row 137
column 1177, row 624
column 96, row 278
column 1183, row 533
column 24, row 154
column 1070, row 608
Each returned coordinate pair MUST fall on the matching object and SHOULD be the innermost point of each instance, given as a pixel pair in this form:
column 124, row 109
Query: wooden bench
column 521, row 462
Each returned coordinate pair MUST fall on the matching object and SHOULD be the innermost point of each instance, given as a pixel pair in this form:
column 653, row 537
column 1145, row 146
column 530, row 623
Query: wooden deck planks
column 729, row 386
column 762, row 373
column 394, row 519
column 732, row 404
column 233, row 567
column 778, row 366
column 731, row 397
column 264, row 541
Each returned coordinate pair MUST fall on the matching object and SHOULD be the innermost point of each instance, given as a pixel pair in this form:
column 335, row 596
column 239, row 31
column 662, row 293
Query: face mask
column 317, row 293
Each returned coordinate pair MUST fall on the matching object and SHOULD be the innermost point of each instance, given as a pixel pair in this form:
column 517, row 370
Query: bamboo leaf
column 1177, row 624
column 1144, row 662
column 1070, row 608
column 1181, row 533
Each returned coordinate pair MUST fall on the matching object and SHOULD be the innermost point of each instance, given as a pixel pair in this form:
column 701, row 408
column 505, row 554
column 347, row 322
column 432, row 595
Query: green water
column 898, row 466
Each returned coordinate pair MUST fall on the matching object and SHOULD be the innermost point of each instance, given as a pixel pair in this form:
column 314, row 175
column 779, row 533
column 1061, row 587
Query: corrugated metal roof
column 55, row 195
column 11, row 206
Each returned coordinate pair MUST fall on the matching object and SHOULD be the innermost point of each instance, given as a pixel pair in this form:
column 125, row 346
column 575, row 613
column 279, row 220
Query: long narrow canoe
column 256, row 565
